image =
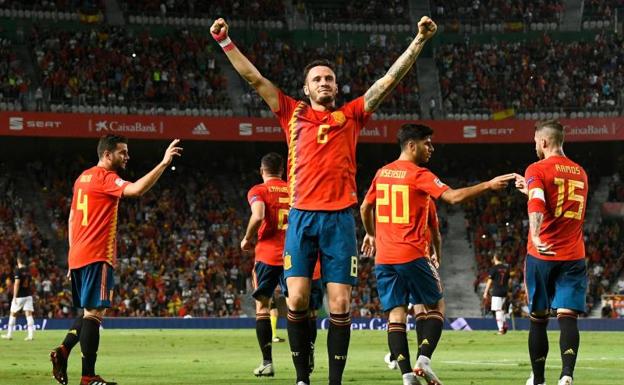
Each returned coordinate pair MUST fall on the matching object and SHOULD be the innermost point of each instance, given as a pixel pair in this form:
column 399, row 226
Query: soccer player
column 555, row 268
column 397, row 234
column 419, row 311
column 321, row 175
column 92, row 232
column 498, row 281
column 269, row 220
column 22, row 300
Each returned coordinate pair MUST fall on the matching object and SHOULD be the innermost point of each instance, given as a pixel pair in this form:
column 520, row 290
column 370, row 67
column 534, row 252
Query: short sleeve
column 113, row 185
column 492, row 273
column 534, row 179
column 355, row 109
column 17, row 275
column 431, row 184
column 255, row 195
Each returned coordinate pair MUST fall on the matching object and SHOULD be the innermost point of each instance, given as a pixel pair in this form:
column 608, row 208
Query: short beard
column 326, row 99
column 118, row 167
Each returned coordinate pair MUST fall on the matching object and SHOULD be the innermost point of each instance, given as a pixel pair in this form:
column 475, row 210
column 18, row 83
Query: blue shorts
column 416, row 281
column 554, row 285
column 316, row 294
column 92, row 286
column 265, row 279
column 328, row 233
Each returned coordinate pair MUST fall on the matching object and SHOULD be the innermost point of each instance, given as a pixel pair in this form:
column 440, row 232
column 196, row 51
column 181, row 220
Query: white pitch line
column 515, row 363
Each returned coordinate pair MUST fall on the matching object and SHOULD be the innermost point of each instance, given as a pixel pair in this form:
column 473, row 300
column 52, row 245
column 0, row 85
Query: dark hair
column 555, row 130
column 109, row 143
column 273, row 163
column 413, row 131
column 316, row 63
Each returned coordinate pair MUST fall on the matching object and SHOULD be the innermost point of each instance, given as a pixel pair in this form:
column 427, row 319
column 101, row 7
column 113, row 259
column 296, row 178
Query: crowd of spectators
column 354, row 11
column 356, row 69
column 538, row 75
column 116, row 67
column 20, row 236
column 239, row 9
column 14, row 84
column 601, row 9
column 496, row 11
column 52, row 5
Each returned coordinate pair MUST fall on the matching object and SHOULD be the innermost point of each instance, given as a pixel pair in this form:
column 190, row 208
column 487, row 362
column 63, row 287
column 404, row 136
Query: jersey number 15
column 561, row 195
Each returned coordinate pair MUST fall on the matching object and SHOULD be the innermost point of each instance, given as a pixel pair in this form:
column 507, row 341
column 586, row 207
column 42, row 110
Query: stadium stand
column 130, row 73
column 497, row 15
column 246, row 9
column 351, row 11
column 20, row 235
column 13, row 82
column 540, row 75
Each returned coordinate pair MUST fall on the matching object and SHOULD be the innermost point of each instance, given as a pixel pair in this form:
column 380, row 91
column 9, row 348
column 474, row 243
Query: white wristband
column 225, row 42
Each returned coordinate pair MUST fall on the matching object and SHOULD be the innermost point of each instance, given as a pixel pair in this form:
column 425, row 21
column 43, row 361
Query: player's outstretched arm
column 455, row 196
column 382, row 87
column 255, row 220
column 243, row 66
column 146, row 182
column 521, row 185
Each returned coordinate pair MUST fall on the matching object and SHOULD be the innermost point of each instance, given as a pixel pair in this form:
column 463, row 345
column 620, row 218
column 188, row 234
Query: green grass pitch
column 216, row 357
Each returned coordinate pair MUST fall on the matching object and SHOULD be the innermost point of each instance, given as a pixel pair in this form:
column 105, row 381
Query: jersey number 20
column 389, row 197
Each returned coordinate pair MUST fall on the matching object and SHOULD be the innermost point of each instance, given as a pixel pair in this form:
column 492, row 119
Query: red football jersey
column 402, row 193
column 94, row 222
column 274, row 194
column 321, row 153
column 558, row 189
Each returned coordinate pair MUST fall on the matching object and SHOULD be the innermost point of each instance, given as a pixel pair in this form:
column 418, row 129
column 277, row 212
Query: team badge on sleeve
column 119, row 182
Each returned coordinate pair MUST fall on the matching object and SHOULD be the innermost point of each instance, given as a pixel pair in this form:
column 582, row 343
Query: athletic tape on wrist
column 227, row 44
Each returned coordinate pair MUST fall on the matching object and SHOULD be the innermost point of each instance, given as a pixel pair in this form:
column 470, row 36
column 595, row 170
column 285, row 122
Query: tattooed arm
column 382, row 87
column 535, row 224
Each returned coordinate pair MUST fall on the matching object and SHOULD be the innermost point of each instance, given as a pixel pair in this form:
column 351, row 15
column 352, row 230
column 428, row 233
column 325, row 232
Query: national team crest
column 339, row 117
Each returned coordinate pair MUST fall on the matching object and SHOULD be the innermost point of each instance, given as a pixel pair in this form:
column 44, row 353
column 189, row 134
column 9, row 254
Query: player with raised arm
column 269, row 220
column 397, row 233
column 555, row 267
column 498, row 281
column 321, row 176
column 22, row 300
column 92, row 233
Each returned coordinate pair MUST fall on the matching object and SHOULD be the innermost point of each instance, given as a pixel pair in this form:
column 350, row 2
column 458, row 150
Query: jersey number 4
column 83, row 205
column 561, row 195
